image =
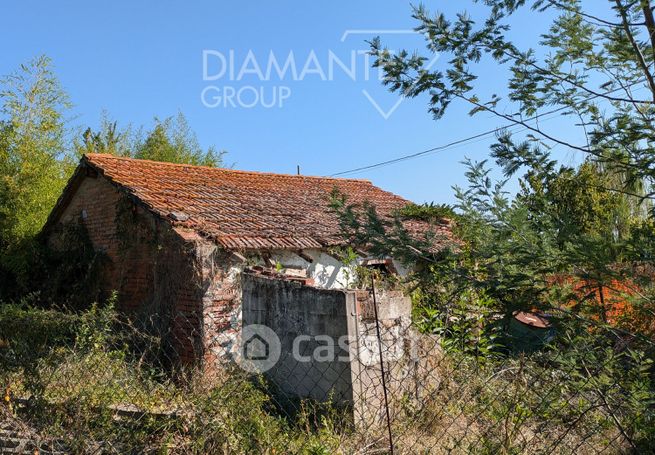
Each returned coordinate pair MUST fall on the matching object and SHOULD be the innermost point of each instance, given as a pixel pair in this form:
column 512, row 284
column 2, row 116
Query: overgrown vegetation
column 573, row 233
column 76, row 379
column 33, row 163
column 575, row 244
column 39, row 148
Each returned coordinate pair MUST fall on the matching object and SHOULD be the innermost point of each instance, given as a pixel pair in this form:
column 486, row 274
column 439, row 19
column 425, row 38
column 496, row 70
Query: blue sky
column 139, row 59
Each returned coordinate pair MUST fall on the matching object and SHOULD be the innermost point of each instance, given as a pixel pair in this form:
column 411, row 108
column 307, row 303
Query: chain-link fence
column 352, row 376
column 562, row 398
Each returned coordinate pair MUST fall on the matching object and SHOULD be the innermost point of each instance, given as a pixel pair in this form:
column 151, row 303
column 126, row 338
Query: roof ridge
column 90, row 156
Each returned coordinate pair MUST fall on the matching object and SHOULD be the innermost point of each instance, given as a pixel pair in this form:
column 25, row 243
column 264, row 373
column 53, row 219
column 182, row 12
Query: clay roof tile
column 242, row 209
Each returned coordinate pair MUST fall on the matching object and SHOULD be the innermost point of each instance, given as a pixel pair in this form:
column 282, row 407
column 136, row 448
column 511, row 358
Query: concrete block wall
column 353, row 378
column 292, row 310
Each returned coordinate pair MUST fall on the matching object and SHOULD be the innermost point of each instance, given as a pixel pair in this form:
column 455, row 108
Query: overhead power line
column 443, row 147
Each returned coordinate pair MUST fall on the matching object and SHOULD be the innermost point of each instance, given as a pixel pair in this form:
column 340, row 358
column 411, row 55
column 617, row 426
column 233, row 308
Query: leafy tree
column 590, row 69
column 37, row 158
column 580, row 203
column 170, row 140
column 173, row 140
column 587, row 223
column 109, row 139
column 32, row 157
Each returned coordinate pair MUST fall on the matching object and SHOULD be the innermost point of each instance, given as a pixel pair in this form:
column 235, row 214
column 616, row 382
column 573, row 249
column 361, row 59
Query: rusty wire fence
column 98, row 382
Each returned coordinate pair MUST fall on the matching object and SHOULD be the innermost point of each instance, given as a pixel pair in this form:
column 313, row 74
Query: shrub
column 75, row 378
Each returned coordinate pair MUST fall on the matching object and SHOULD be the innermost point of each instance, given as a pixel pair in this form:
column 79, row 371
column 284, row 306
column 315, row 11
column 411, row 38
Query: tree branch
column 591, row 18
column 540, row 132
column 564, row 78
column 637, row 49
column 650, row 24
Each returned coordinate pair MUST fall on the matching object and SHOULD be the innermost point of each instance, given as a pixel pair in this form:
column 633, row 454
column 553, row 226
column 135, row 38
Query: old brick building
column 177, row 237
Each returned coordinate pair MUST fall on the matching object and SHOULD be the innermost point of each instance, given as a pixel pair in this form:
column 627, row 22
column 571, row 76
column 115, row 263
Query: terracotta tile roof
column 240, row 209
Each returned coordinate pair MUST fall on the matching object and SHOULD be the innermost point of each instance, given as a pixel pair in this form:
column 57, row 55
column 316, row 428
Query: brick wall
column 154, row 269
column 94, row 204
